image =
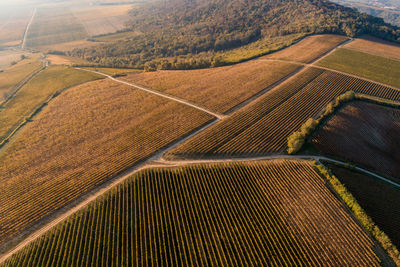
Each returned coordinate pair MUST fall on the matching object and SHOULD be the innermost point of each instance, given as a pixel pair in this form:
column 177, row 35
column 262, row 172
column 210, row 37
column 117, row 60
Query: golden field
column 376, row 47
column 309, row 48
column 82, row 138
column 219, row 89
column 36, row 91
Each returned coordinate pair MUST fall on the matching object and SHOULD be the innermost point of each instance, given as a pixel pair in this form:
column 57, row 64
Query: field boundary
column 358, row 212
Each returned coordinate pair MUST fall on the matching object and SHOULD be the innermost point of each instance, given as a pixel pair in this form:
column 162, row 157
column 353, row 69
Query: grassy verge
column 31, row 97
column 359, row 213
column 373, row 67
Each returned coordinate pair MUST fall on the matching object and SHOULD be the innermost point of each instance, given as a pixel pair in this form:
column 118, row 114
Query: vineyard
column 376, row 198
column 377, row 68
column 276, row 213
column 53, row 26
column 16, row 74
column 376, row 47
column 219, row 89
column 263, row 126
column 310, row 48
column 82, row 138
column 364, row 133
column 37, row 91
column 99, row 20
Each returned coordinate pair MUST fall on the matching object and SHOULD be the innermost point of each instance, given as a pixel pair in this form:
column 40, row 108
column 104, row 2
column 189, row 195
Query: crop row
column 264, row 126
column 84, row 137
column 377, row 198
column 274, row 213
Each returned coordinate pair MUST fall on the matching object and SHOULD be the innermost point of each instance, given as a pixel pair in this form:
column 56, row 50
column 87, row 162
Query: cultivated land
column 377, row 198
column 263, row 126
column 82, row 138
column 64, row 60
column 363, row 133
column 37, row 91
column 16, row 74
column 309, row 48
column 369, row 66
column 213, row 214
column 113, row 71
column 9, row 56
column 219, row 89
column 103, row 19
column 375, row 46
column 13, row 21
column 53, row 26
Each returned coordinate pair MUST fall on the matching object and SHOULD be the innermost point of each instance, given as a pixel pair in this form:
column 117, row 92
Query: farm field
column 67, row 46
column 263, row 126
column 53, row 26
column 9, row 56
column 114, row 71
column 363, row 133
column 257, row 48
column 310, row 48
column 375, row 46
column 219, row 89
column 83, row 137
column 369, row 66
column 99, row 20
column 377, row 198
column 64, row 60
column 212, row 214
column 13, row 21
column 37, row 91
column 14, row 75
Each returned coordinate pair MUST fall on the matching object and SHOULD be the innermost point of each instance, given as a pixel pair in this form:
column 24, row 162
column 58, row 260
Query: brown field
column 83, row 137
column 366, row 134
column 263, row 126
column 377, row 198
column 219, row 89
column 265, row 213
column 54, row 26
column 8, row 56
column 375, row 46
column 114, row 71
column 309, row 48
column 64, row 60
column 68, row 46
column 15, row 74
column 37, row 91
column 103, row 19
column 13, row 28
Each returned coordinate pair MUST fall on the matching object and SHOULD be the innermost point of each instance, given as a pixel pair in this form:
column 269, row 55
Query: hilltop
column 183, row 34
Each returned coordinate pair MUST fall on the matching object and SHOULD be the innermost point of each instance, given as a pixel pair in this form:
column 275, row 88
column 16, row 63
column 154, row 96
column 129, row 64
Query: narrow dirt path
column 170, row 97
column 27, row 29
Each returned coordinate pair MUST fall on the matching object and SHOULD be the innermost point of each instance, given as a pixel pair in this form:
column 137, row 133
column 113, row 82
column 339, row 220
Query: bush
column 297, row 139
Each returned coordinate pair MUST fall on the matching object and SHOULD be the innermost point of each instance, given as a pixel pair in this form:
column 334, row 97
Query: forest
column 186, row 34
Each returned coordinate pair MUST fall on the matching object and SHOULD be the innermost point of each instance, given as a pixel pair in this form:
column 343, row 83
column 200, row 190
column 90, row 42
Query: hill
column 182, row 34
